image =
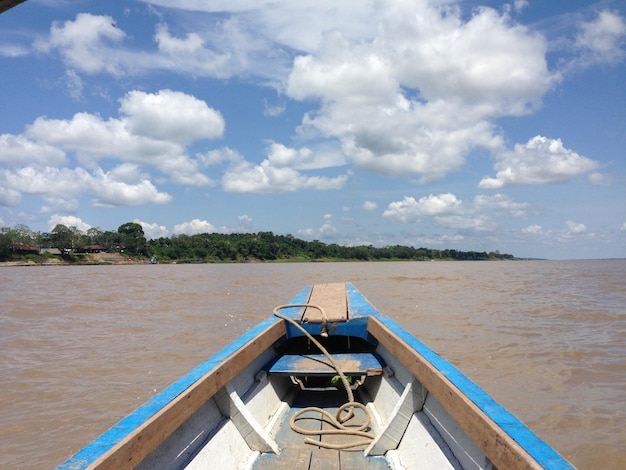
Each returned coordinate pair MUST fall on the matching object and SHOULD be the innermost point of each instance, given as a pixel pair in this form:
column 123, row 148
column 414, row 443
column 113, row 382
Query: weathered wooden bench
column 351, row 364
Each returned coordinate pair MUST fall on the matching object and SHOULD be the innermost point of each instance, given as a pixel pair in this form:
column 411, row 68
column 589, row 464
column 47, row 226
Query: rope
column 337, row 420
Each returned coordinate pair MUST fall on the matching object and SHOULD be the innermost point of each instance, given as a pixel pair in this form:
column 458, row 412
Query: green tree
column 132, row 238
column 6, row 244
column 65, row 238
column 93, row 236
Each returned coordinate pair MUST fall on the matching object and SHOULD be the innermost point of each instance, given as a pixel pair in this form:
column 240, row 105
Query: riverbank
column 86, row 259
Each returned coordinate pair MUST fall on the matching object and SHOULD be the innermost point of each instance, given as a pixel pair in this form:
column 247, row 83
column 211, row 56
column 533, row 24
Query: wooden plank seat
column 351, row 364
column 332, row 298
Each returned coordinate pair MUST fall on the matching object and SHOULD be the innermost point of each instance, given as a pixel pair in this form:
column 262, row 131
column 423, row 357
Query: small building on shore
column 25, row 249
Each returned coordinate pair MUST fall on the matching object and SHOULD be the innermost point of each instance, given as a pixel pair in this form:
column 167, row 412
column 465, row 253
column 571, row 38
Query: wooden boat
column 272, row 399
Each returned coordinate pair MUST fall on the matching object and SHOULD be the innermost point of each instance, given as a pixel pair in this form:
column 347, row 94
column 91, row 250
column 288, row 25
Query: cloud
column 278, row 173
column 153, row 231
column 73, row 84
column 418, row 97
column 223, row 47
column 623, row 227
column 500, row 202
column 479, row 222
column 286, row 24
column 303, row 158
column 519, row 5
column 83, row 43
column 152, row 131
column 48, row 182
column 273, row 110
column 446, row 210
column 574, row 231
column 574, row 228
column 94, row 44
column 327, row 228
column 9, row 197
column 409, row 210
column 13, row 50
column 601, row 41
column 68, row 221
column 409, row 88
column 93, row 138
column 539, row 161
column 193, row 227
column 170, row 115
column 599, row 179
column 111, row 192
column 370, row 206
column 61, row 188
column 197, row 226
column 534, row 229
column 17, row 150
column 245, row 222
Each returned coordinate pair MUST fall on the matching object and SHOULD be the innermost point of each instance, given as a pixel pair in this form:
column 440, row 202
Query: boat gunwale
column 134, row 437
column 504, row 439
column 498, row 430
column 498, row 433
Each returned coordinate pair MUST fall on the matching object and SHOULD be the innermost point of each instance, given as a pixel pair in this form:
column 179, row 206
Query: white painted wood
column 411, row 400
column 444, row 431
column 226, row 450
column 264, row 398
column 401, row 373
column 422, row 449
column 253, row 433
column 183, row 444
column 384, row 392
column 469, row 455
column 276, row 420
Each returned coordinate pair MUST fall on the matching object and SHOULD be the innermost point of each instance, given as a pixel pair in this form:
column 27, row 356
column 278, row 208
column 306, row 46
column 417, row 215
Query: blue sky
column 444, row 124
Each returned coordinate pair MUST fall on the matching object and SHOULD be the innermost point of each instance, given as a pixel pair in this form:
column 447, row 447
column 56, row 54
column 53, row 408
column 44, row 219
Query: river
column 82, row 346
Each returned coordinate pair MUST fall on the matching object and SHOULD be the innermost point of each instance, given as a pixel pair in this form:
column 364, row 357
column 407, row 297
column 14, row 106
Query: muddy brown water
column 82, row 346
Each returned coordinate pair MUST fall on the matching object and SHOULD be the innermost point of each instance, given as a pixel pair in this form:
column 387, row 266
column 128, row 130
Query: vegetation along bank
column 129, row 244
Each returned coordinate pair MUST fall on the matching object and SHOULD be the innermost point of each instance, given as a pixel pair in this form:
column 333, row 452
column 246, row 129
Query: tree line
column 212, row 247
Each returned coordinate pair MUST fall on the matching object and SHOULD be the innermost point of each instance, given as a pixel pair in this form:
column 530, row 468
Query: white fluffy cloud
column 68, row 221
column 575, row 228
column 539, row 161
column 170, row 115
column 61, row 188
column 403, row 87
column 534, row 229
column 153, row 230
column 448, row 211
column 17, row 150
column 277, row 173
column 409, row 210
column 193, row 227
column 370, row 206
column 151, row 133
column 602, row 40
column 85, row 43
column 421, row 94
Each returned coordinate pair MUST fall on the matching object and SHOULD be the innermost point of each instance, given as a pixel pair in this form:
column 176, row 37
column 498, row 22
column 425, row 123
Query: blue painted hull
column 364, row 325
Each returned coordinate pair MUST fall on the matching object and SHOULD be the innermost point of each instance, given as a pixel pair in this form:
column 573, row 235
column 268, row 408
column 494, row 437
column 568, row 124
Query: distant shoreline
column 116, row 259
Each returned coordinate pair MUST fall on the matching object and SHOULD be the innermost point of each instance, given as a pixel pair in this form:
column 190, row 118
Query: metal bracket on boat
column 231, row 406
column 412, row 400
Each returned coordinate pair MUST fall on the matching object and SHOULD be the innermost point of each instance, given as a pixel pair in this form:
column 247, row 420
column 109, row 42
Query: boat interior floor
column 296, row 454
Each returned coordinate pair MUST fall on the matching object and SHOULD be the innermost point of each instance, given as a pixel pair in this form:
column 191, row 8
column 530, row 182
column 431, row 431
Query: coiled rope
column 344, row 413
